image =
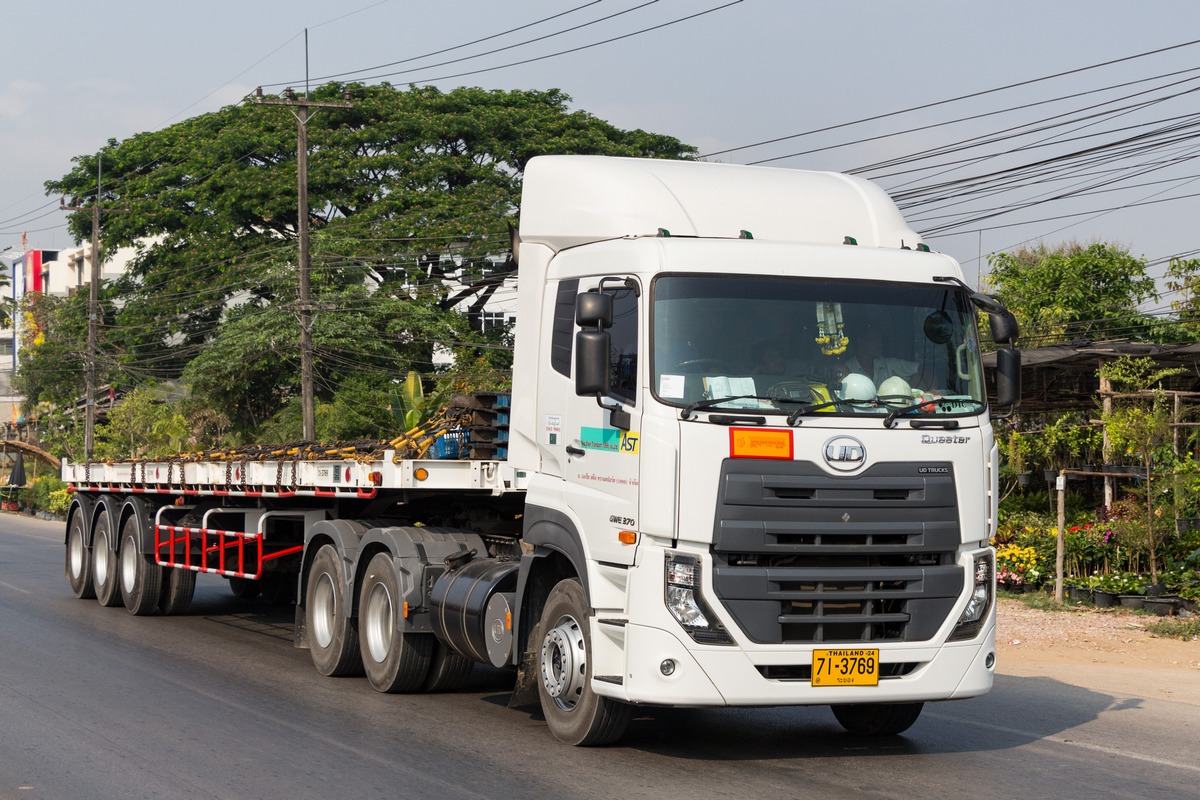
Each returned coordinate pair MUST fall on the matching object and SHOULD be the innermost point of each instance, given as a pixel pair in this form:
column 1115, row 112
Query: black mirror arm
column 984, row 302
column 618, row 417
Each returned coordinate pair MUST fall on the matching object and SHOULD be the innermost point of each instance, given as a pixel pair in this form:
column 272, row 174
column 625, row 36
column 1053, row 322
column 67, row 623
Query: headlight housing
column 685, row 601
column 975, row 614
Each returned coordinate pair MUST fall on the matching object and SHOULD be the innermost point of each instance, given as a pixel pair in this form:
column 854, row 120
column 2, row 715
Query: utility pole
column 301, row 106
column 89, row 419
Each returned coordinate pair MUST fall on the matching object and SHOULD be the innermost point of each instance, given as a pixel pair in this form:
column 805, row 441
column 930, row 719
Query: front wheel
column 877, row 719
column 394, row 660
column 575, row 714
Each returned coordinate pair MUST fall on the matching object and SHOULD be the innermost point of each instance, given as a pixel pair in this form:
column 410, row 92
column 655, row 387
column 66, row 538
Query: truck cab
column 759, row 431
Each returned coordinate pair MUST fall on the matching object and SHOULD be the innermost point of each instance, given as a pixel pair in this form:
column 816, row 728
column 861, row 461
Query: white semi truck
column 747, row 462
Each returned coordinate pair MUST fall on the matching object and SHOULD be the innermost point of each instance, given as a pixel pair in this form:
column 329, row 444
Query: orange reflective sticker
column 760, row 443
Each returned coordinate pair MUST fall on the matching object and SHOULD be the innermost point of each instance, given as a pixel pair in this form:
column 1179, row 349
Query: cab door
column 602, row 449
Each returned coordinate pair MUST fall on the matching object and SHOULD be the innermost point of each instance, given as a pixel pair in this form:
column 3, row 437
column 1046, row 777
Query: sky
column 951, row 105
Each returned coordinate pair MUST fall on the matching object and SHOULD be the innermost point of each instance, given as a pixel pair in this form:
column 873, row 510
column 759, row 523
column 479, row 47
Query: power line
column 340, row 75
column 934, row 104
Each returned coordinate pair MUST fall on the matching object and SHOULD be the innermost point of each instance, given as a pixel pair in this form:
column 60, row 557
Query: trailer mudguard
column 86, row 505
column 140, row 510
column 346, row 537
column 113, row 505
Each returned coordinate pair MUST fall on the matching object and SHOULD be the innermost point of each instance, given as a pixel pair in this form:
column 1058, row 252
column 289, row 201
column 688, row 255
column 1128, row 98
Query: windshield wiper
column 700, row 405
column 794, row 417
column 889, row 421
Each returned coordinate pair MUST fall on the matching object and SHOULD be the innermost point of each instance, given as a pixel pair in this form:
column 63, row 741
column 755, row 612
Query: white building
column 54, row 272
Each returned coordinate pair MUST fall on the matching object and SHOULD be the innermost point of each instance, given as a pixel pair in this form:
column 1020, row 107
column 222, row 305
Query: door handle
column 576, row 451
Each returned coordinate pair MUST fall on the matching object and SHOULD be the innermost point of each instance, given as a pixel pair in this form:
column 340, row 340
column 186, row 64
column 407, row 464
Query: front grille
column 801, row 556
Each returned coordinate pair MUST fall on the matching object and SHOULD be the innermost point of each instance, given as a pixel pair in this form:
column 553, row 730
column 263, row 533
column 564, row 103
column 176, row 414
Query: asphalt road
column 95, row 703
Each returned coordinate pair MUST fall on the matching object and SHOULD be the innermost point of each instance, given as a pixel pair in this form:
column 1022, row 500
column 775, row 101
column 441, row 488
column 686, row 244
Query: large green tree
column 405, row 187
column 1073, row 292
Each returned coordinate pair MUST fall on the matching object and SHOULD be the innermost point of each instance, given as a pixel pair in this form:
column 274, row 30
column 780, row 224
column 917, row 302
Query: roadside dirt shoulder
column 1108, row 651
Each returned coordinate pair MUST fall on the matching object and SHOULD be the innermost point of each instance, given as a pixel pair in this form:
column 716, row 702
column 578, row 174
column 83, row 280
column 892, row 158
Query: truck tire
column 244, row 588
column 178, row 586
column 332, row 636
column 448, row 671
column 394, row 660
column 79, row 557
column 141, row 576
column 104, row 560
column 576, row 715
column 278, row 588
column 877, row 719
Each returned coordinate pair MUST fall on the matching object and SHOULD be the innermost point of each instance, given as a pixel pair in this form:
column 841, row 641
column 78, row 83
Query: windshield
column 800, row 345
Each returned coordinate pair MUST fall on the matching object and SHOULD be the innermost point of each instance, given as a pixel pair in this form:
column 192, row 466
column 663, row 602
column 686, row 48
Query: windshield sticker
column 671, row 387
column 609, row 440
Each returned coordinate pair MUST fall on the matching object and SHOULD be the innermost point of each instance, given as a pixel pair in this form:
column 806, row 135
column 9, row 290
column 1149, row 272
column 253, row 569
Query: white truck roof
column 572, row 200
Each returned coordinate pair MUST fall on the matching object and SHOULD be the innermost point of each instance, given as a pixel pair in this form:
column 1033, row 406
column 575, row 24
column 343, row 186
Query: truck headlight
column 685, row 601
column 980, row 602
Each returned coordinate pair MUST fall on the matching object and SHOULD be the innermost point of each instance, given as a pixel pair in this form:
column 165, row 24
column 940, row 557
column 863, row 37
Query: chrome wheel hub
column 564, row 663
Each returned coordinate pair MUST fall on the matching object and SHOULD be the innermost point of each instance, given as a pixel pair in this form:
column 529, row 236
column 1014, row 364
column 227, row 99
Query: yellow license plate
column 845, row 668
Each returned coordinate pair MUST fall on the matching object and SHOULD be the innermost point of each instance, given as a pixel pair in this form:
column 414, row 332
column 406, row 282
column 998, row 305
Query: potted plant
column 1141, row 425
column 1131, row 589
column 1106, row 591
column 1189, row 597
column 1010, row 581
column 1016, row 450
column 1078, row 590
column 1016, row 567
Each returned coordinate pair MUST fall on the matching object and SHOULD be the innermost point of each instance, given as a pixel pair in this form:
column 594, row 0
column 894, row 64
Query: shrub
column 47, row 493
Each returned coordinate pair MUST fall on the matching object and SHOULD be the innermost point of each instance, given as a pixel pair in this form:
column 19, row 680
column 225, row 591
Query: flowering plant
column 1009, row 579
column 1016, row 565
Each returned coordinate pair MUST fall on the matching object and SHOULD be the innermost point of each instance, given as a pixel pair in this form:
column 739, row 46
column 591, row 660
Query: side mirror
column 1004, row 327
column 1008, row 379
column 594, row 309
column 592, row 361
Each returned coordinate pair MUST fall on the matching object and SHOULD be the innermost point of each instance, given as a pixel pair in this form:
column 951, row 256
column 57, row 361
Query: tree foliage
column 406, row 188
column 1073, row 292
column 53, row 337
column 1183, row 282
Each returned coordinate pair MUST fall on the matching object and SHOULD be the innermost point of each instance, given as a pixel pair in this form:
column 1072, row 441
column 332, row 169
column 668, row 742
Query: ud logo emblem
column 844, row 453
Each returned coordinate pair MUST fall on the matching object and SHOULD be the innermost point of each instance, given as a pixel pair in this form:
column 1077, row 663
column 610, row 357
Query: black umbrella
column 17, row 476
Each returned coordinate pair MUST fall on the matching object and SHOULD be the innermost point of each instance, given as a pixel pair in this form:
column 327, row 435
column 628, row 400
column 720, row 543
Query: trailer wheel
column 877, row 719
column 333, row 639
column 244, row 588
column 141, row 576
column 394, row 660
column 104, row 560
column 448, row 671
column 278, row 588
column 576, row 715
column 79, row 557
column 178, row 586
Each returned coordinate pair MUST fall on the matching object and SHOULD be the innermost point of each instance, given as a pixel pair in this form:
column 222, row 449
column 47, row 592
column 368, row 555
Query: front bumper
column 629, row 652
